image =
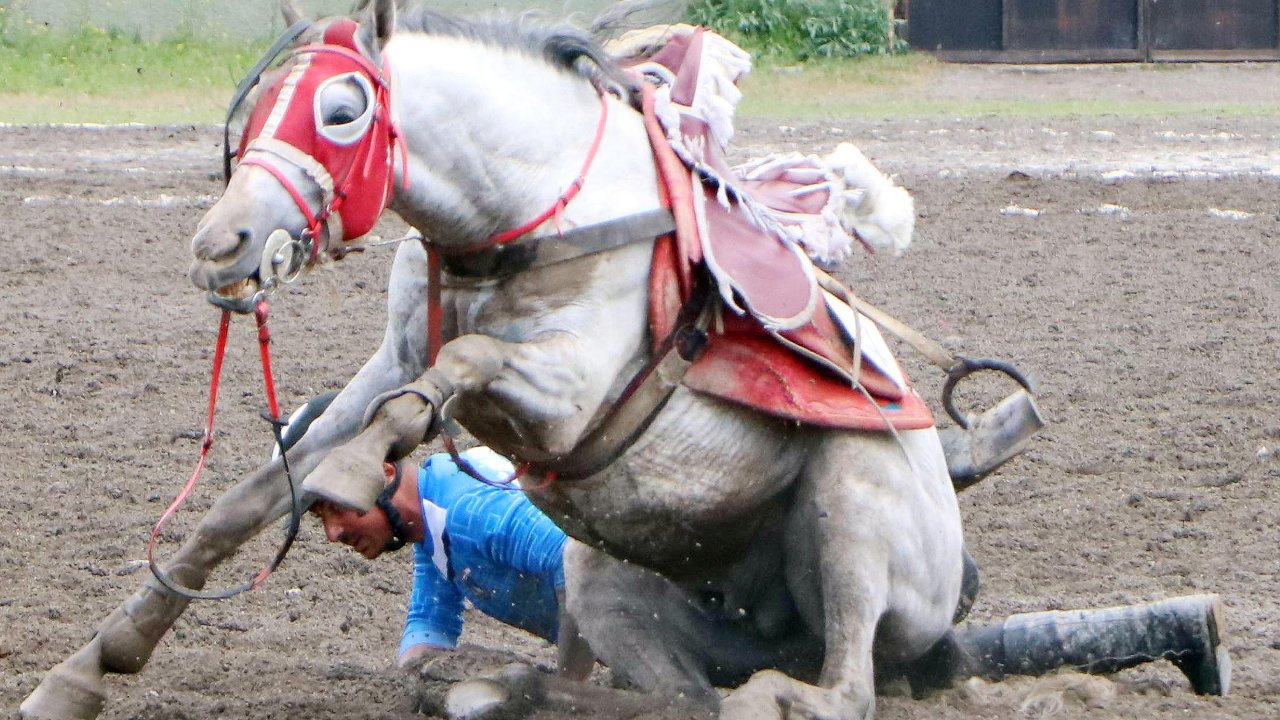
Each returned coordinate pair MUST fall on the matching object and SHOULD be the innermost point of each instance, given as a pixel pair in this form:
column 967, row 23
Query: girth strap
column 516, row 257
column 643, row 397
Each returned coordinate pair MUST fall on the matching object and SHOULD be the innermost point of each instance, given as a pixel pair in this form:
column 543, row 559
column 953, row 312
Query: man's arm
column 434, row 617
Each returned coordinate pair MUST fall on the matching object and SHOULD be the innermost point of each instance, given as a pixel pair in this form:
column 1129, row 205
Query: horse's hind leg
column 638, row 624
column 874, row 564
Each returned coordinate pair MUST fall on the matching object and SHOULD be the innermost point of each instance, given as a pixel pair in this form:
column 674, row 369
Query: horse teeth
column 237, row 290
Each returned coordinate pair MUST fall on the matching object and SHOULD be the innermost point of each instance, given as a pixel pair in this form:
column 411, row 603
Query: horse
column 786, row 559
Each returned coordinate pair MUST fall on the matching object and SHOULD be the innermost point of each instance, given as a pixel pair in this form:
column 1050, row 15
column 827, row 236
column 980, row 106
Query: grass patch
column 791, row 30
column 94, row 75
column 908, row 84
column 99, row 76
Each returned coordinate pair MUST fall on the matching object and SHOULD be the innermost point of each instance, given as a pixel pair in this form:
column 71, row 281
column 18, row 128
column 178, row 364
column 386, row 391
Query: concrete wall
column 246, row 18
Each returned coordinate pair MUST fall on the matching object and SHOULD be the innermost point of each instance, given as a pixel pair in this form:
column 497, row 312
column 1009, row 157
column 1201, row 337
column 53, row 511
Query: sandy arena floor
column 1130, row 265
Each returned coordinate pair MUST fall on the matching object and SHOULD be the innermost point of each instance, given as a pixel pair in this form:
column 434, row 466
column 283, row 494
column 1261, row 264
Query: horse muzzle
column 281, row 261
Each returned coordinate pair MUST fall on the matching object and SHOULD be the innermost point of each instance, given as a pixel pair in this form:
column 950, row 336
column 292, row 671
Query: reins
column 261, row 311
column 272, row 415
column 435, row 312
column 556, row 209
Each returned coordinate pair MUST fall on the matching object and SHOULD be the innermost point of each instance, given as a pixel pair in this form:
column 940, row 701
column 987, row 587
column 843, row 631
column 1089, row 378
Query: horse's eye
column 342, row 116
column 343, row 103
column 343, row 107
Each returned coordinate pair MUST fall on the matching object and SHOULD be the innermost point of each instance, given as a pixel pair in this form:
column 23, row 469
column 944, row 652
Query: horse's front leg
column 74, row 689
column 125, row 640
column 402, row 419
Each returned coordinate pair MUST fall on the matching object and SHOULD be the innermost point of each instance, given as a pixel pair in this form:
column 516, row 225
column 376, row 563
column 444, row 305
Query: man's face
column 368, row 533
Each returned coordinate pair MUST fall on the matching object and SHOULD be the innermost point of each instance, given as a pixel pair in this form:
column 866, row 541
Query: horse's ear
column 292, row 15
column 383, row 18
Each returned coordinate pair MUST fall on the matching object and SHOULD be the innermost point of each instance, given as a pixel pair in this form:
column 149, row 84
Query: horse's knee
column 771, row 695
column 130, row 634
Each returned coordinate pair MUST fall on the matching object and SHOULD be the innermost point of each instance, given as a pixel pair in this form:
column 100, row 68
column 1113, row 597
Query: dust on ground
column 1129, row 264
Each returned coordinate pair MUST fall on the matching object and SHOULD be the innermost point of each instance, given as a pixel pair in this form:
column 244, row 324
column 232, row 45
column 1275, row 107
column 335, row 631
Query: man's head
column 367, row 533
column 385, row 527
column 375, row 532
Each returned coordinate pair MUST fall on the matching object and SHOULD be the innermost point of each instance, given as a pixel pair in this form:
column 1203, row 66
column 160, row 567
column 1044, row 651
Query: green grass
column 796, row 30
column 104, row 77
column 95, row 75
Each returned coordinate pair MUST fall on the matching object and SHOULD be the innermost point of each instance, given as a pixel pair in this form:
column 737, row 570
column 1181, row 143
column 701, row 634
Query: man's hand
column 416, row 656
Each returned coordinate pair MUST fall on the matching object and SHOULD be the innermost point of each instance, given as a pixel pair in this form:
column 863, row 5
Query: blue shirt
column 485, row 544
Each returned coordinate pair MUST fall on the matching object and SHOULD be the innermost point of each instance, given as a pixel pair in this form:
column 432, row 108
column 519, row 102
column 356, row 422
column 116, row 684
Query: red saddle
column 780, row 348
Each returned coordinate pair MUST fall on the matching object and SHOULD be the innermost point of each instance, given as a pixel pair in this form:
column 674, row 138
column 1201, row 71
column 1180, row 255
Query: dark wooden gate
column 1095, row 30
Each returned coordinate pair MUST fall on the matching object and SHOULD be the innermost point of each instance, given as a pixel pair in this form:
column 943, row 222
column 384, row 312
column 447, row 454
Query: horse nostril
column 243, row 239
column 213, row 245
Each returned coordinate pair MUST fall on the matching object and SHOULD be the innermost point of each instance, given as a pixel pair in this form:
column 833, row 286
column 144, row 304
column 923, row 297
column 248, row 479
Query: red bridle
column 354, row 175
column 348, row 176
column 346, row 179
column 435, row 315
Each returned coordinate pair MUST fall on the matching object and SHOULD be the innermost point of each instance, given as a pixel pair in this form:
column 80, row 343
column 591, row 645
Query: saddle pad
column 784, row 348
column 774, row 373
column 752, row 369
column 756, row 269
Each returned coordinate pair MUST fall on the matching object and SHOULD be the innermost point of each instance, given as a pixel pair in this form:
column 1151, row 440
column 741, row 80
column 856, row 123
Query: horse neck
column 494, row 136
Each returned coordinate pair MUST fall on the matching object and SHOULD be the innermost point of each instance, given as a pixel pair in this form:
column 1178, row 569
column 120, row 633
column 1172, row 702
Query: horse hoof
column 64, row 694
column 512, row 693
column 481, row 699
column 347, row 478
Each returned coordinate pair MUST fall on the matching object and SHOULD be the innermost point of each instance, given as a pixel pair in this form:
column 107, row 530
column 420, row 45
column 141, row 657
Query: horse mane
column 562, row 45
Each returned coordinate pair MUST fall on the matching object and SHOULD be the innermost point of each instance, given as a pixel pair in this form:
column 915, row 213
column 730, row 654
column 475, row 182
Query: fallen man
column 472, row 541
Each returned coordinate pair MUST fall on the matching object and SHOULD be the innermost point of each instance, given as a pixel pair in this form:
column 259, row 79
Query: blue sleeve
column 527, row 541
column 435, row 607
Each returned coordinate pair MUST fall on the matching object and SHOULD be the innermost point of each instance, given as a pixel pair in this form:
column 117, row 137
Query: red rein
column 362, row 160
column 260, row 313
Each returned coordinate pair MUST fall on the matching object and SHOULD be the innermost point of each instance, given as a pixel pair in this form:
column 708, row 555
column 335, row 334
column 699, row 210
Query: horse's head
column 315, row 160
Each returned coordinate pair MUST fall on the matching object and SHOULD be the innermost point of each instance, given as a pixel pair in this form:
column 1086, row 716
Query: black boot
column 1187, row 631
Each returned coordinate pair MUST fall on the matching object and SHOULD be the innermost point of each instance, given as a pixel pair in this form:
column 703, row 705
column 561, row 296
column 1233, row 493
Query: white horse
column 795, row 555
column 716, row 543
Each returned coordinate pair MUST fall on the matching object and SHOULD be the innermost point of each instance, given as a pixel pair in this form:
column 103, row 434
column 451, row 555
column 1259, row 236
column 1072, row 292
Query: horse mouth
column 239, row 297
column 239, row 290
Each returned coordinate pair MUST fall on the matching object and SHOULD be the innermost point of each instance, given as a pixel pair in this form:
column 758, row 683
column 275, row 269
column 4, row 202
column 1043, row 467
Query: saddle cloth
column 785, row 346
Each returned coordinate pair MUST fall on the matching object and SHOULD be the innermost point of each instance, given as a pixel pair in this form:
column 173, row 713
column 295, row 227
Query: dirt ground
column 1129, row 264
